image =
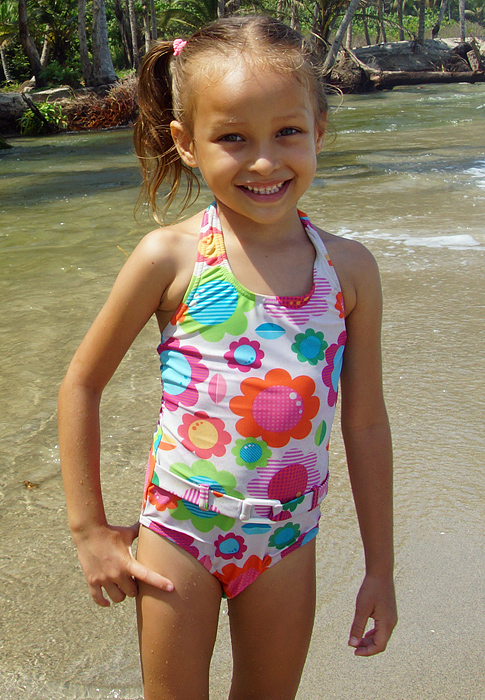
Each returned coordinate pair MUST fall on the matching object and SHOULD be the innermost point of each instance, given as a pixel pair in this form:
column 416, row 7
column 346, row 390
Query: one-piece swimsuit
column 249, row 391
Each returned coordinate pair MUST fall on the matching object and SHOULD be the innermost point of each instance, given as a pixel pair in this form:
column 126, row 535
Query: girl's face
column 255, row 139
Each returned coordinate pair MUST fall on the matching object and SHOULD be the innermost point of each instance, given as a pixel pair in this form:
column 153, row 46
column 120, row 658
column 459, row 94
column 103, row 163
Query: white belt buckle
column 248, row 504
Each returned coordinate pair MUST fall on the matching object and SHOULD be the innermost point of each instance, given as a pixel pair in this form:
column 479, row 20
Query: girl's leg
column 271, row 626
column 177, row 629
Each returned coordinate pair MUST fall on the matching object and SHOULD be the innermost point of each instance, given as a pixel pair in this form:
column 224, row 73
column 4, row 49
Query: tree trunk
column 86, row 66
column 27, row 42
column 462, row 20
column 389, row 79
column 436, row 29
column 295, row 20
column 399, row 19
column 134, row 34
column 124, row 32
column 380, row 15
column 221, row 9
column 366, row 26
column 153, row 15
column 422, row 11
column 46, row 49
column 348, row 36
column 339, row 37
column 6, row 71
column 146, row 25
column 103, row 71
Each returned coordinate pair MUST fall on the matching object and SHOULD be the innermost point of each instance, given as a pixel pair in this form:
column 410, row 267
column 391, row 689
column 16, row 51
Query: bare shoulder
column 355, row 266
column 168, row 254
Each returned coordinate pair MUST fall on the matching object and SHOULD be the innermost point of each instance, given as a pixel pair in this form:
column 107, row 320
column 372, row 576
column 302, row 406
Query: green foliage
column 54, row 120
column 55, row 74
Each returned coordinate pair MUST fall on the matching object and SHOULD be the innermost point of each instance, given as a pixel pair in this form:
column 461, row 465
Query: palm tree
column 421, row 25
column 339, row 36
column 103, row 70
column 437, row 26
column 28, row 44
column 8, row 30
column 86, row 67
column 134, row 35
column 462, row 20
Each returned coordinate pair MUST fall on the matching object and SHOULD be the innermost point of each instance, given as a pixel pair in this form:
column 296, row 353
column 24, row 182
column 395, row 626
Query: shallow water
column 406, row 176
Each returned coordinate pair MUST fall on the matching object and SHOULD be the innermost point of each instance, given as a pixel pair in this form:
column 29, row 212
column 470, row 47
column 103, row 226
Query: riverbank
column 359, row 70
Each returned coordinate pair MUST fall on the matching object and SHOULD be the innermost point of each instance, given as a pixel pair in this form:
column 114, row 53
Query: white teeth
column 265, row 190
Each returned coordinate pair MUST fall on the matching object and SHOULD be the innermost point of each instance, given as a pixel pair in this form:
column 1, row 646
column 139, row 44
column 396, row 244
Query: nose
column 265, row 160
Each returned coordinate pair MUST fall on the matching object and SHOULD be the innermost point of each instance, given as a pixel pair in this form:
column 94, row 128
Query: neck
column 277, row 233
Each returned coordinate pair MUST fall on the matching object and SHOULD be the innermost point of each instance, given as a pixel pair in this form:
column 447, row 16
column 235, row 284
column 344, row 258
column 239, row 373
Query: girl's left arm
column 367, row 437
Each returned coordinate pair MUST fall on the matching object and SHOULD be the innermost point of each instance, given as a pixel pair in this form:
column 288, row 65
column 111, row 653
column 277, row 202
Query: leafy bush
column 53, row 120
column 55, row 74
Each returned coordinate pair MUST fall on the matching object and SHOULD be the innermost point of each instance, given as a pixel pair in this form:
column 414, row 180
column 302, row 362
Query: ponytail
column 154, row 146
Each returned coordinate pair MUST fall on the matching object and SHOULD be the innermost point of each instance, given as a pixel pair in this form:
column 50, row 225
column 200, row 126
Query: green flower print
column 204, row 472
column 251, row 453
column 292, row 505
column 309, row 346
column 284, row 536
column 214, row 307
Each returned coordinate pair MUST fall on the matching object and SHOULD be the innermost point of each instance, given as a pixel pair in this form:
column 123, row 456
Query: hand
column 376, row 599
column 108, row 562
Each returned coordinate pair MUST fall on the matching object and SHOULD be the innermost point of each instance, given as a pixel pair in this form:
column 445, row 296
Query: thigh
column 177, row 629
column 271, row 625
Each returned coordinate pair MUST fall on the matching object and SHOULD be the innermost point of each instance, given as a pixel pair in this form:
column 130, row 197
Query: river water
column 404, row 172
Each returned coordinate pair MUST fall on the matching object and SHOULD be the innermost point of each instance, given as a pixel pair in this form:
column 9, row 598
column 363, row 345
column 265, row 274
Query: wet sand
column 57, row 644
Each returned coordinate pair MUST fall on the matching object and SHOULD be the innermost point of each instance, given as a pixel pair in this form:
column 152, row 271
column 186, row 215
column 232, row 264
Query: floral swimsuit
column 249, row 391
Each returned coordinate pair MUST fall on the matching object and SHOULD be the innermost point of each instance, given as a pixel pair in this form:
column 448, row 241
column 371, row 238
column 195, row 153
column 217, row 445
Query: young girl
column 255, row 306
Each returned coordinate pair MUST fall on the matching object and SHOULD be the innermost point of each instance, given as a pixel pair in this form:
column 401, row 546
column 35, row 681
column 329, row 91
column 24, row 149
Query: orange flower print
column 179, row 315
column 203, row 435
column 276, row 408
column 162, row 499
column 235, row 579
column 339, row 305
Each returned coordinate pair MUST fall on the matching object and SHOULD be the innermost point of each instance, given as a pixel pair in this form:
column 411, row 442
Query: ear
column 320, row 131
column 183, row 143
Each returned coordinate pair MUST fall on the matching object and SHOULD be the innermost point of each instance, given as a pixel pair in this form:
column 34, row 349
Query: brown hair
column 164, row 92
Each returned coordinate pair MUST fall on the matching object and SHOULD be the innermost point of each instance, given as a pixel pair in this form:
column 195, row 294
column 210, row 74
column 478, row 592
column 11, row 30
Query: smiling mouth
column 273, row 189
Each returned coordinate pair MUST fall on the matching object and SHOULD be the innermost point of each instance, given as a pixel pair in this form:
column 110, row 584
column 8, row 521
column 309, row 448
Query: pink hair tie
column 178, row 45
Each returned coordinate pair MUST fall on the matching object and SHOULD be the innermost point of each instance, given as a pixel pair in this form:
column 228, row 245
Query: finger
column 114, row 592
column 150, row 577
column 358, row 628
column 98, row 597
column 374, row 642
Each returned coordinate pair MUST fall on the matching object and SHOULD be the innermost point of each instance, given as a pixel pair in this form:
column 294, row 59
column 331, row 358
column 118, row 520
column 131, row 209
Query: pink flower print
column 301, row 309
column 181, row 371
column 230, row 546
column 331, row 373
column 244, row 354
column 204, row 435
column 285, row 479
column 179, row 538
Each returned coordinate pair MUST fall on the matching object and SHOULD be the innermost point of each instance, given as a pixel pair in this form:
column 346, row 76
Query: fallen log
column 386, row 80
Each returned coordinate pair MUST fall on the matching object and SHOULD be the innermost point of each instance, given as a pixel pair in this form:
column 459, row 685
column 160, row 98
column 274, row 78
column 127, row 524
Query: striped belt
column 206, row 498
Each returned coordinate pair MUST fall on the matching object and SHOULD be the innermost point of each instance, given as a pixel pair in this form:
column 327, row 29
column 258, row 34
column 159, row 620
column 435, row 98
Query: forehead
column 245, row 89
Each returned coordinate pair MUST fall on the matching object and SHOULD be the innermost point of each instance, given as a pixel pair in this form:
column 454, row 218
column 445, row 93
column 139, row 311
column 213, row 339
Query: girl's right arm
column 142, row 287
